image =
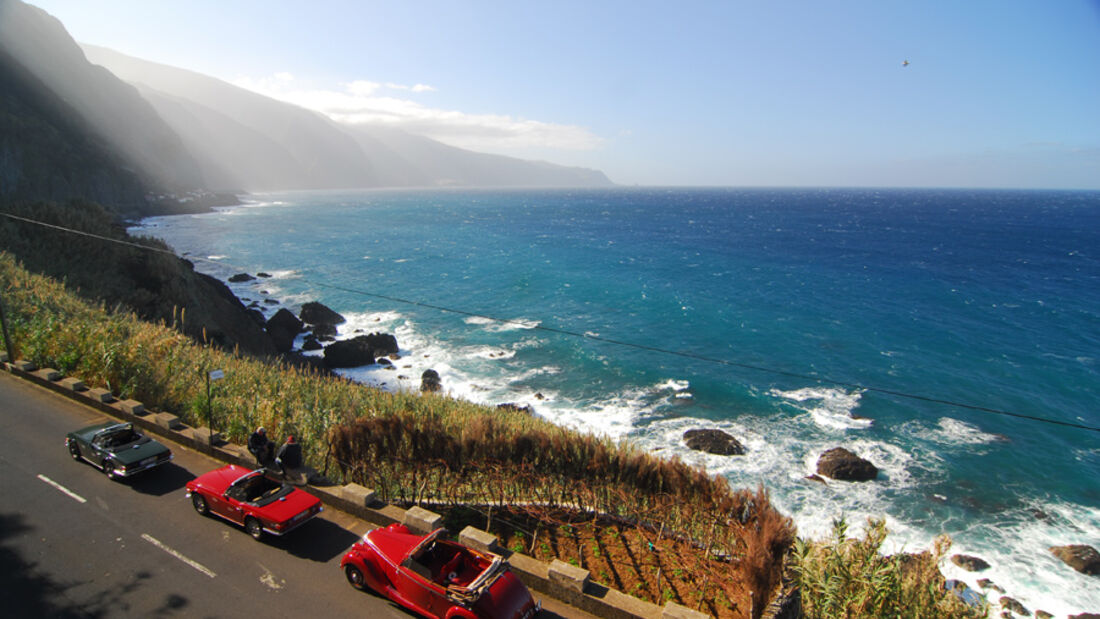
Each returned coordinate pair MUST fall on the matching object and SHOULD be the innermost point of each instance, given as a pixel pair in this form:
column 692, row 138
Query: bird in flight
column 905, row 63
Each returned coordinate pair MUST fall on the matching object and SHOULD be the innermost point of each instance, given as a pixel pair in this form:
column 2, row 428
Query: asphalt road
column 75, row 544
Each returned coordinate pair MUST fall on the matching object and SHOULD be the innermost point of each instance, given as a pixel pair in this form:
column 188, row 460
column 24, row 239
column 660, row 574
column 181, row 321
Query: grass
column 410, row 447
column 850, row 577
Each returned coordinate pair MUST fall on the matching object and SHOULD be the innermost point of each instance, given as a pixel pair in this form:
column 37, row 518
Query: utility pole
column 7, row 338
column 211, row 376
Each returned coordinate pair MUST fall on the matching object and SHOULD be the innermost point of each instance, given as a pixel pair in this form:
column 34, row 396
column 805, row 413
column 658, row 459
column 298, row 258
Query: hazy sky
column 1003, row 93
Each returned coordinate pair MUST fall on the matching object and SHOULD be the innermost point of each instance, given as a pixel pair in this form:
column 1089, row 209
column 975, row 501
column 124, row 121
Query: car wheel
column 252, row 526
column 354, row 576
column 109, row 469
column 74, row 450
column 199, row 503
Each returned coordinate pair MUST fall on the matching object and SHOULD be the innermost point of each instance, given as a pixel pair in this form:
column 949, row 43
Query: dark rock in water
column 383, row 361
column 314, row 313
column 382, row 343
column 986, row 583
column 1042, row 614
column 430, row 381
column 1085, row 616
column 311, row 343
column 349, row 353
column 262, row 274
column 839, row 463
column 539, row 396
column 819, row 479
column 1080, row 557
column 241, row 277
column 512, row 406
column 283, row 328
column 325, row 338
column 970, row 563
column 272, row 302
column 964, row 593
column 324, row 330
column 713, row 441
column 257, row 316
column 1010, row 604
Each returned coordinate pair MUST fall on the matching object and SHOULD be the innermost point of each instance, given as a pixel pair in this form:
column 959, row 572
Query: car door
column 97, row 449
column 230, row 503
column 418, row 589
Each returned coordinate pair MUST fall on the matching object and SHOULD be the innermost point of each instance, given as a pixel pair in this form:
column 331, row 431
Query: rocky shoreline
column 320, row 326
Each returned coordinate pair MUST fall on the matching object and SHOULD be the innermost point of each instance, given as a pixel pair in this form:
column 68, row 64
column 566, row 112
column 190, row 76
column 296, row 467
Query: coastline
column 762, row 440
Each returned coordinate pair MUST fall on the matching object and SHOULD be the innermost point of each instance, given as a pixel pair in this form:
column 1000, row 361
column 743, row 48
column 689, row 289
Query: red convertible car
column 252, row 499
column 437, row 577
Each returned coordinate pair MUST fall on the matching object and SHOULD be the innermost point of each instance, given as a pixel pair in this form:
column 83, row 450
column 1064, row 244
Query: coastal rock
column 382, row 343
column 241, row 277
column 1042, row 614
column 323, row 331
column 283, row 328
column 257, row 316
column 262, row 274
column 384, row 361
column 1084, row 559
column 311, row 343
column 314, row 313
column 349, row 353
column 1011, row 604
column 512, row 406
column 272, row 302
column 839, row 463
column 713, row 441
column 970, row 563
column 986, row 583
column 819, row 479
column 1085, row 616
column 430, row 381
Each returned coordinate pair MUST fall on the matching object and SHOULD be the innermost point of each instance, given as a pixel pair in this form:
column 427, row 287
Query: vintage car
column 437, row 577
column 117, row 448
column 255, row 500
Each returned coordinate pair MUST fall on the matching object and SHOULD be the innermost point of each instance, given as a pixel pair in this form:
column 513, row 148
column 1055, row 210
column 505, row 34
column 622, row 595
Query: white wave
column 830, row 408
column 499, row 326
column 489, row 352
column 284, row 274
column 217, row 257
column 674, row 385
column 1016, row 547
column 955, row 432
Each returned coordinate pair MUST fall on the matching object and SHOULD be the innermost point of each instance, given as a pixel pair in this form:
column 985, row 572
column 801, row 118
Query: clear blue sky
column 998, row 94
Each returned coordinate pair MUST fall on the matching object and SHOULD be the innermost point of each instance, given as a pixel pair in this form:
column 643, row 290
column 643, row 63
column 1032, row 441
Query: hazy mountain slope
column 114, row 109
column 330, row 155
column 48, row 153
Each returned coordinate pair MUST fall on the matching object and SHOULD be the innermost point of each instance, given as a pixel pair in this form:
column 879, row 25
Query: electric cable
column 604, row 340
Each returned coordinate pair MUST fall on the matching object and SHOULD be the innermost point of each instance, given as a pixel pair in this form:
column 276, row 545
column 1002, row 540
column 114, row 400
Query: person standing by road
column 260, row 447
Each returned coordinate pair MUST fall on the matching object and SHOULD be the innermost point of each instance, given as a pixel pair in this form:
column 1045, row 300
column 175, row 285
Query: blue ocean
column 901, row 324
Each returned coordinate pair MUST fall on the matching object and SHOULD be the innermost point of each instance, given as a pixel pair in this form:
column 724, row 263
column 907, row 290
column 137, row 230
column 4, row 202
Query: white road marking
column 198, row 566
column 63, row 489
column 271, row 580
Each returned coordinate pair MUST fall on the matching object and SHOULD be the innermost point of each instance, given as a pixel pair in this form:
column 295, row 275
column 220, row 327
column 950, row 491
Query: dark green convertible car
column 117, row 448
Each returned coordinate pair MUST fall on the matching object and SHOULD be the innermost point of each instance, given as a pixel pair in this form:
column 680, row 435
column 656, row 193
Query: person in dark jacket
column 289, row 457
column 260, row 447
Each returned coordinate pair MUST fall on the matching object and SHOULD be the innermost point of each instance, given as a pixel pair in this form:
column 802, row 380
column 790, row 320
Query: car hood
column 391, row 544
column 507, row 597
column 137, row 451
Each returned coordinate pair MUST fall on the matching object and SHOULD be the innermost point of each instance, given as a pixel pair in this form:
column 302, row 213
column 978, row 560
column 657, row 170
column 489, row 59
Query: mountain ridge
column 304, row 149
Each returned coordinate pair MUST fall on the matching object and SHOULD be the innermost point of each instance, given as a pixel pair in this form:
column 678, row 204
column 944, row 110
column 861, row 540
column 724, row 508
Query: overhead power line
column 597, row 338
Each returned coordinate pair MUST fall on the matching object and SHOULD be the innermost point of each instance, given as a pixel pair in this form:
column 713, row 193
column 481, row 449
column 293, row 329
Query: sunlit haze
column 995, row 94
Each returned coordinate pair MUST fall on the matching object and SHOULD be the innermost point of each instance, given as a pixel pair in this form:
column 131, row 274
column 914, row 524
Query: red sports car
column 252, row 499
column 437, row 577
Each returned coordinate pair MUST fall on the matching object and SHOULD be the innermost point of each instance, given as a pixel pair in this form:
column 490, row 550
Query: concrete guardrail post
column 420, row 520
column 672, row 610
column 479, row 540
column 569, row 576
